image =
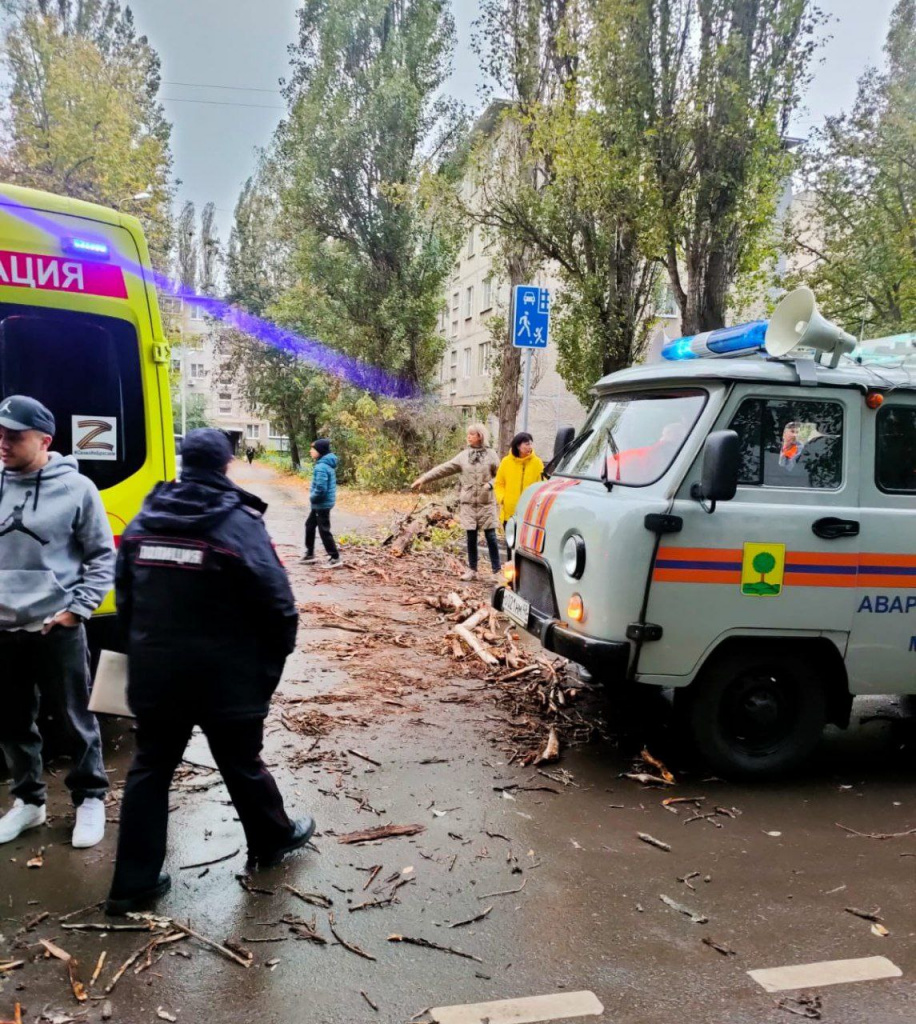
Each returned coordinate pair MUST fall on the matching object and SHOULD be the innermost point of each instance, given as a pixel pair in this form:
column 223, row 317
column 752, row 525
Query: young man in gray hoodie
column 56, row 566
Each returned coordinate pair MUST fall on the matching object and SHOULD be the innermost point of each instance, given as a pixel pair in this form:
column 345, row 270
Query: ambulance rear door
column 780, row 559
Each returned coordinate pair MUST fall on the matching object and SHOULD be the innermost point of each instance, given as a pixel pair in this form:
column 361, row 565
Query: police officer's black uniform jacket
column 203, row 601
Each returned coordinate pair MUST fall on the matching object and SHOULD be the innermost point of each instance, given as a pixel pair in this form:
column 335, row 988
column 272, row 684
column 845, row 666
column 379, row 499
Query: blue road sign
column 531, row 322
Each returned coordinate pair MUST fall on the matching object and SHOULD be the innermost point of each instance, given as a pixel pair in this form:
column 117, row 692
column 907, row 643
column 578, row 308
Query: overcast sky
column 242, row 44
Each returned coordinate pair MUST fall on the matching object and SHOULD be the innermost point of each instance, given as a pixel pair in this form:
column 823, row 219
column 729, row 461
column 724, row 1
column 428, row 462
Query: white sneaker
column 89, row 829
column 20, row 819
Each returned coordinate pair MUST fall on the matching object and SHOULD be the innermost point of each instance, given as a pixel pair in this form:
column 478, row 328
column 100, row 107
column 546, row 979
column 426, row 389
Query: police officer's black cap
column 206, row 448
column 19, row 412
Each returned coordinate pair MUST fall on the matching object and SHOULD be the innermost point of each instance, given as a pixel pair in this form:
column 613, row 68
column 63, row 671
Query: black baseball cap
column 206, row 448
column 19, row 412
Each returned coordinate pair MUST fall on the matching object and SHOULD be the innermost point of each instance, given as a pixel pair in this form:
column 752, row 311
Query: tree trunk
column 294, row 456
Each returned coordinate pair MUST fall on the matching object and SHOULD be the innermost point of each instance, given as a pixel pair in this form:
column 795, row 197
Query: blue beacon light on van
column 726, row 342
column 86, row 247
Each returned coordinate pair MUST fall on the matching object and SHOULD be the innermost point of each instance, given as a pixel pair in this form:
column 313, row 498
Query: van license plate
column 517, row 608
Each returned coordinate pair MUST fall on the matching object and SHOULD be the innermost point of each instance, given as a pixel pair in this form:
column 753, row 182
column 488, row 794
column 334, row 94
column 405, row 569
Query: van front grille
column 535, row 585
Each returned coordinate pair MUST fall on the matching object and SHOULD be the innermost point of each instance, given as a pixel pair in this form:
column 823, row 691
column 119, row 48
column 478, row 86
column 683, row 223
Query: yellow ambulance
column 80, row 331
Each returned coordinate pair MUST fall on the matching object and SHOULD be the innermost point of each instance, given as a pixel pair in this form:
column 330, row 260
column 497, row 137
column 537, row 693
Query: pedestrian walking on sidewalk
column 197, row 553
column 518, row 470
column 477, row 465
column 250, row 454
column 56, row 566
column 322, row 497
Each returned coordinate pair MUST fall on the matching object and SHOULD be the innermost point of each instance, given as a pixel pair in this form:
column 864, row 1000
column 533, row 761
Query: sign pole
column 530, row 330
column 526, row 391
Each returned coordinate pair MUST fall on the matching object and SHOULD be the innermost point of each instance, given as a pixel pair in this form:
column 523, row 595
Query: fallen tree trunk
column 476, row 646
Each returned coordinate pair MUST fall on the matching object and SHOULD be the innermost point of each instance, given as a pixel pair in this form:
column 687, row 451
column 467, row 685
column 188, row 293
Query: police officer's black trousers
column 161, row 742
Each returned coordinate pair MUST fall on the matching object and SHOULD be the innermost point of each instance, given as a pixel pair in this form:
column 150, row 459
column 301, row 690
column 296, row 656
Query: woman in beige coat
column 477, row 465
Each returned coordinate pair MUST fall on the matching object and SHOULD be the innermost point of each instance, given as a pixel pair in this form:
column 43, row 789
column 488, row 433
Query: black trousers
column 492, row 547
column 320, row 518
column 50, row 671
column 161, row 741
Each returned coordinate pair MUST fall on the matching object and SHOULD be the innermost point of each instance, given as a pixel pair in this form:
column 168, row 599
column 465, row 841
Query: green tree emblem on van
column 763, row 563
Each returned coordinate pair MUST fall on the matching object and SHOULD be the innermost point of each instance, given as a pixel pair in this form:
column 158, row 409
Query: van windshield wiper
column 575, row 443
column 615, row 451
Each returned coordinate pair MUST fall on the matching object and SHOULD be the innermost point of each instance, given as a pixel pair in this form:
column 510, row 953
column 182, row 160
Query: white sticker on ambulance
column 95, row 437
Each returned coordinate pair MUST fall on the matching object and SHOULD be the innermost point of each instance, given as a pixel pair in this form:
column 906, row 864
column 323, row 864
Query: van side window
column 787, row 443
column 895, row 451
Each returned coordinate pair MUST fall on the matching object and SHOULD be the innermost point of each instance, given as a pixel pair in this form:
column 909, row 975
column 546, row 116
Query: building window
column 253, row 431
column 225, row 403
column 486, row 301
column 471, row 249
column 197, row 312
column 197, row 370
column 453, row 361
column 455, row 297
column 466, row 365
column 454, row 328
column 483, row 359
column 469, row 302
column 176, row 366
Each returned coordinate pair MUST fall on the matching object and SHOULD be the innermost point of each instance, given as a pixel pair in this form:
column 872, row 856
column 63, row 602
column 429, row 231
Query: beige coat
column 477, row 467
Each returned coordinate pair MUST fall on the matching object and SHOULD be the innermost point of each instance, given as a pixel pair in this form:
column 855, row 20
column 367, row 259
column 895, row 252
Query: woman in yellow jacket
column 518, row 470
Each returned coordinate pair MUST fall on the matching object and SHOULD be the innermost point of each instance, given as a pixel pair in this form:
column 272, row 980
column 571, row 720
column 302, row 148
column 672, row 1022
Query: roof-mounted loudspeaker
column 796, row 323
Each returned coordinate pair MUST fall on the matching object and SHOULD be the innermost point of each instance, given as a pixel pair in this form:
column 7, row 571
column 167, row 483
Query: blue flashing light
column 743, row 339
column 87, row 247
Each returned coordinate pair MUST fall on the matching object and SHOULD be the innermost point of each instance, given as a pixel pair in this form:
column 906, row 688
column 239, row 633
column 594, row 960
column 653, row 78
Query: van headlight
column 574, row 556
column 512, row 532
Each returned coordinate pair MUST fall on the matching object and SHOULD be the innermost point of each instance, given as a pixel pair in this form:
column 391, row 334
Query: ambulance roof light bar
column 86, row 247
column 724, row 343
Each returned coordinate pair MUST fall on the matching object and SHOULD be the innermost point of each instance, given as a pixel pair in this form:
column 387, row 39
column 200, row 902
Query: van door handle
column 832, row 528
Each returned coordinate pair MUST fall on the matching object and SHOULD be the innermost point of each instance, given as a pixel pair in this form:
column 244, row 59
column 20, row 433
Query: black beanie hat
column 206, row 448
column 322, row 446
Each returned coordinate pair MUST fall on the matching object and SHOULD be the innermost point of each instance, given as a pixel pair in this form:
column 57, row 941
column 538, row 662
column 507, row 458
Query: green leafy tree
column 716, row 82
column 210, row 256
column 581, row 195
column 82, row 117
column 517, row 43
column 366, row 123
column 187, row 250
column 277, row 385
column 259, row 254
column 854, row 240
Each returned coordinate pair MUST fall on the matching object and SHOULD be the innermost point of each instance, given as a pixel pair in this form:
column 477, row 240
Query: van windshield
column 633, row 437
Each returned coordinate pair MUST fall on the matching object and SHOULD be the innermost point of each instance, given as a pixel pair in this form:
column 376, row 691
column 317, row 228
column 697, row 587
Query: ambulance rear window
column 786, row 443
column 86, row 370
column 895, row 454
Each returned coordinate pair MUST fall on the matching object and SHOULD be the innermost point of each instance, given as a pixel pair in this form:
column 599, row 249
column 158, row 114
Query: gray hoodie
column 56, row 548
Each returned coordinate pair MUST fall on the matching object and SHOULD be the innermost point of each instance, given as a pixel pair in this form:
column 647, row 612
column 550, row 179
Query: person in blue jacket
column 196, row 554
column 322, row 497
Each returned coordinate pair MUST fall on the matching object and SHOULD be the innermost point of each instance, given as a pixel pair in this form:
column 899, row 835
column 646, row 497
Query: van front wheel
column 754, row 714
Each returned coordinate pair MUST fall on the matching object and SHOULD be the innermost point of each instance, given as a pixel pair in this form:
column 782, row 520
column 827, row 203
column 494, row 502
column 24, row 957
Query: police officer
column 197, row 553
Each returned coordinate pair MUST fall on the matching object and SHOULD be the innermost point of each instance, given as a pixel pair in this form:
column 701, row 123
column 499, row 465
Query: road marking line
column 559, row 1006
column 827, row 972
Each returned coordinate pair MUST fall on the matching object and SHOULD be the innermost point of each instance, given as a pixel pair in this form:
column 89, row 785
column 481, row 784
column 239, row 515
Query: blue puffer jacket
column 324, row 482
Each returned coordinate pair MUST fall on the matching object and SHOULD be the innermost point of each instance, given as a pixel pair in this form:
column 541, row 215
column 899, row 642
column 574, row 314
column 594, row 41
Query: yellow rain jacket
column 512, row 477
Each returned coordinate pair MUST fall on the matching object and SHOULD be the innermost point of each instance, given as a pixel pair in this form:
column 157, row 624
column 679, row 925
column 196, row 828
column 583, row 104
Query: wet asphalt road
column 589, row 915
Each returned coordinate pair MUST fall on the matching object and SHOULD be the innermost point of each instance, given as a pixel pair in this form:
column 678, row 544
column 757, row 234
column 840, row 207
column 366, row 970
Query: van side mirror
column 721, row 463
column 564, row 435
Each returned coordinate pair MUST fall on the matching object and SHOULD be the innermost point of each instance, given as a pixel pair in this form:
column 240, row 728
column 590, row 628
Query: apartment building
column 201, row 388
column 475, row 295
